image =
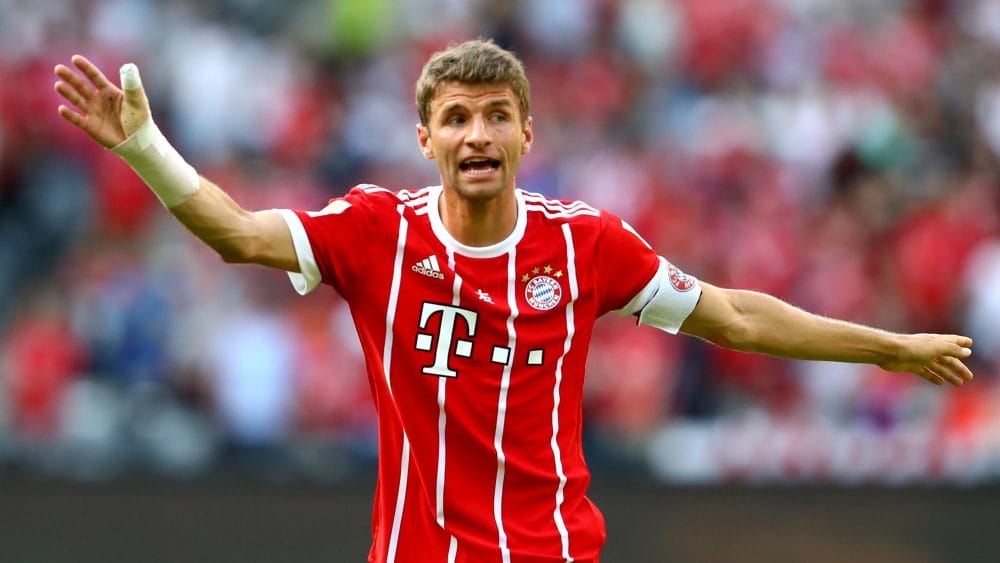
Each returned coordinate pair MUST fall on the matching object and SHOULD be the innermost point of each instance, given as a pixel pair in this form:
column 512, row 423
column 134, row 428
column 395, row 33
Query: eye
column 454, row 120
column 498, row 117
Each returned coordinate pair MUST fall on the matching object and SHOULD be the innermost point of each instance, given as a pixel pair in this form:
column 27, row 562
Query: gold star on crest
column 548, row 269
column 536, row 270
column 559, row 274
column 525, row 278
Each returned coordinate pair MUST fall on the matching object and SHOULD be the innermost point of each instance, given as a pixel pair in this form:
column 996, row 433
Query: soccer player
column 474, row 302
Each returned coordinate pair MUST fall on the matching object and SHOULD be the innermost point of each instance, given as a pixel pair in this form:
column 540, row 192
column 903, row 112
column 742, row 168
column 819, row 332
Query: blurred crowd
column 841, row 154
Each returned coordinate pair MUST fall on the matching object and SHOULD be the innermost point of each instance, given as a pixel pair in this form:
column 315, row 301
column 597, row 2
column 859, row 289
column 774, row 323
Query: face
column 477, row 136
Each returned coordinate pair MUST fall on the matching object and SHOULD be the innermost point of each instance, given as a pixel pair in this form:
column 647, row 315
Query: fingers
column 945, row 362
column 948, row 369
column 73, row 80
column 962, row 344
column 71, row 95
column 91, row 71
column 71, row 116
column 945, row 374
column 928, row 374
column 953, row 369
column 950, row 365
column 94, row 104
column 130, row 79
column 135, row 111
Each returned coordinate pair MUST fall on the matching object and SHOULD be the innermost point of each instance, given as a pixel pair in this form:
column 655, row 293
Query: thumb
column 135, row 109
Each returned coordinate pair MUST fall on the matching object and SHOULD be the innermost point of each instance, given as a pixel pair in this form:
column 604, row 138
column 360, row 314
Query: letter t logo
column 445, row 337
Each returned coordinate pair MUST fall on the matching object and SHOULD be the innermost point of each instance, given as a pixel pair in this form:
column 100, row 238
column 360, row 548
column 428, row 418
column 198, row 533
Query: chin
column 480, row 192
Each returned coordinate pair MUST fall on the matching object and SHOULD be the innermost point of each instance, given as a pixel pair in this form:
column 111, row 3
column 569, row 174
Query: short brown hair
column 480, row 61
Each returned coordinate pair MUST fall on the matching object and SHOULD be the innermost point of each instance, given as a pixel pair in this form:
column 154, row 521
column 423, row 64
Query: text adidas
column 427, row 272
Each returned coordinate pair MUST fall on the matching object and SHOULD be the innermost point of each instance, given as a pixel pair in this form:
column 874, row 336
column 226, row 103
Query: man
column 474, row 302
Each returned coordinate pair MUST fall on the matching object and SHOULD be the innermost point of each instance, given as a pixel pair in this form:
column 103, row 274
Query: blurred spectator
column 250, row 362
column 42, row 357
column 982, row 281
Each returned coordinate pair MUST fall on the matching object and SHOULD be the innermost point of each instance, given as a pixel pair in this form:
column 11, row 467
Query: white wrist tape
column 159, row 164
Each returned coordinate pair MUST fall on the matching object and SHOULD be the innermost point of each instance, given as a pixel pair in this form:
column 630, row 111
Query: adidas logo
column 429, row 267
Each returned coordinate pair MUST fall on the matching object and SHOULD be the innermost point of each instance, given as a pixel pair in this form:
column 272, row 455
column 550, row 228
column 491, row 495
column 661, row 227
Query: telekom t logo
column 445, row 337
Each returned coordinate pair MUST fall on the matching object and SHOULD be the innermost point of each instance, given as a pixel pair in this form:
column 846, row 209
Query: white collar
column 491, row 251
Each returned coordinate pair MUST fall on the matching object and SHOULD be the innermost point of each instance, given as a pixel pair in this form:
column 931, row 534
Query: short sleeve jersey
column 476, row 359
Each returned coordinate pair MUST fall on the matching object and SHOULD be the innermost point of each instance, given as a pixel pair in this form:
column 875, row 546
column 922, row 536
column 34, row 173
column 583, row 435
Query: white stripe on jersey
column 407, row 195
column 453, row 550
column 562, row 214
column 416, row 199
column 629, row 228
column 442, row 384
column 419, row 205
column 390, row 319
column 372, row 188
column 502, row 405
column 442, row 422
column 556, row 205
column 574, row 292
column 397, row 518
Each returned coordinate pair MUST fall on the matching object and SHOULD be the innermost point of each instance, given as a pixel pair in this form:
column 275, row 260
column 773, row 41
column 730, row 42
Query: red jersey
column 476, row 358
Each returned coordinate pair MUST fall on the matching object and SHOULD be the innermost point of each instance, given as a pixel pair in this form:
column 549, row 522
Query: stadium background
column 840, row 154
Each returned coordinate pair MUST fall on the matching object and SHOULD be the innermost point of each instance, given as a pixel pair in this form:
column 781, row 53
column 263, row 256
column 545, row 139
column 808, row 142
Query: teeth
column 473, row 165
column 479, row 171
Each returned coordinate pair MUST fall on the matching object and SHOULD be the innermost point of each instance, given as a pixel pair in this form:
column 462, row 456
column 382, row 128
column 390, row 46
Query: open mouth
column 479, row 165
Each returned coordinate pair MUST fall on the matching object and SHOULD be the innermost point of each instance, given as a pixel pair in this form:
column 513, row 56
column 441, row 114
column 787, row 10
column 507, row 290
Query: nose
column 478, row 136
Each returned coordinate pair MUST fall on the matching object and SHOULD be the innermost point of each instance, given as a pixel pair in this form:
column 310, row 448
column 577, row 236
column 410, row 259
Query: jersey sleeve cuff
column 310, row 276
column 667, row 299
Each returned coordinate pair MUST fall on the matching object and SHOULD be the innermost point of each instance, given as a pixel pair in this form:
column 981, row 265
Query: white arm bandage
column 667, row 299
column 153, row 158
column 159, row 164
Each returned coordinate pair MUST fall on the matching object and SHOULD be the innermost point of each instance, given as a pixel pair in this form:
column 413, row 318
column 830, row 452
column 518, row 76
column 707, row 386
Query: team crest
column 543, row 292
column 681, row 281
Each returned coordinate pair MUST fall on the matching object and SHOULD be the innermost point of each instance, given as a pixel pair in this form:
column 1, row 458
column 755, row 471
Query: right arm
column 112, row 116
column 238, row 235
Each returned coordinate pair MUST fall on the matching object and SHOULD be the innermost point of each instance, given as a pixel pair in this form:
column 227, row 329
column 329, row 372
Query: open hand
column 934, row 357
column 103, row 110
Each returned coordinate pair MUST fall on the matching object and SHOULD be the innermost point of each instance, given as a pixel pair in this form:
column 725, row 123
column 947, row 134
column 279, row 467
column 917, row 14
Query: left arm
column 755, row 322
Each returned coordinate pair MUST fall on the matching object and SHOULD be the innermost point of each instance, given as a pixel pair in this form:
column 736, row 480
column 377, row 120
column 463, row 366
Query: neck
column 478, row 223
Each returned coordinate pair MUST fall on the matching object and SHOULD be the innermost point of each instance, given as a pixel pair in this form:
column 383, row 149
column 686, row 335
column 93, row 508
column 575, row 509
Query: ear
column 424, row 140
column 528, row 135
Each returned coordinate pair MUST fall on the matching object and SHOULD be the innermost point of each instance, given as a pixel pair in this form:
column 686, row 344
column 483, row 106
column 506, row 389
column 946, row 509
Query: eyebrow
column 501, row 103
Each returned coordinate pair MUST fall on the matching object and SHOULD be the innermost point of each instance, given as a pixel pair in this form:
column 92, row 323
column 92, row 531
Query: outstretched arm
column 756, row 322
column 119, row 119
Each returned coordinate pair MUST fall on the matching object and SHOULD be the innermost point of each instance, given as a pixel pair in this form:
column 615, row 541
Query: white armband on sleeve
column 159, row 164
column 667, row 299
column 308, row 276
